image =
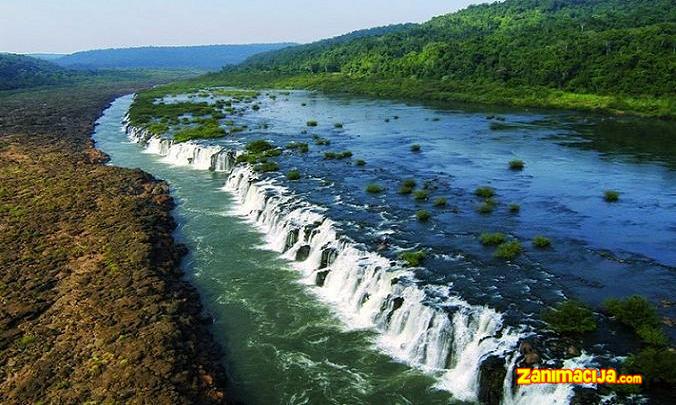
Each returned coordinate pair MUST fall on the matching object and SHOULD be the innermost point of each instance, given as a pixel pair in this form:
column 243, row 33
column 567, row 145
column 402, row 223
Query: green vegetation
column 640, row 315
column 440, row 202
column 301, row 147
column 423, row 215
column 514, row 208
column 487, row 206
column 374, row 188
column 610, row 55
column 484, row 192
column 541, row 242
column 337, row 155
column 360, row 162
column 656, row 365
column 415, row 148
column 265, row 167
column 407, row 186
column 312, row 123
column 421, row 195
column 413, row 259
column 611, row 196
column 321, row 141
column 338, row 125
column 508, row 250
column 570, row 317
column 492, row 239
column 293, row 175
column 206, row 131
column 517, row 164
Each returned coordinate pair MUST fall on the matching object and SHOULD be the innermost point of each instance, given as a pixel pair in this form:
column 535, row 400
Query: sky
column 65, row 26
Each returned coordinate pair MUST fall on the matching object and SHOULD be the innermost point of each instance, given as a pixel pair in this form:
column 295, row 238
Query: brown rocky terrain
column 92, row 302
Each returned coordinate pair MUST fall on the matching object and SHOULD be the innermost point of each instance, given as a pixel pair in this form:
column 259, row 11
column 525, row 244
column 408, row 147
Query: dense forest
column 603, row 47
column 17, row 71
column 211, row 57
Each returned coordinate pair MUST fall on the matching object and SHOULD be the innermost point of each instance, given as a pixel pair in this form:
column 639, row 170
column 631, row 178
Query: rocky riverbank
column 92, row 302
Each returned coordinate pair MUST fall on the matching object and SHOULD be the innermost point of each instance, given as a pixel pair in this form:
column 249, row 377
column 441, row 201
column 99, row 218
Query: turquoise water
column 281, row 344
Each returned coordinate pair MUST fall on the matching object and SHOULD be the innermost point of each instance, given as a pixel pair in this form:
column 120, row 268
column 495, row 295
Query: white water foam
column 423, row 326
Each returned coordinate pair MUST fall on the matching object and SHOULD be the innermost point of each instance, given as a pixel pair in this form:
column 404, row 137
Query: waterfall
column 193, row 154
column 427, row 327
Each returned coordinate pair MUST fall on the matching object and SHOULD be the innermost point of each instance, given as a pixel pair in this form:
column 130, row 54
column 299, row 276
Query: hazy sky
column 64, row 26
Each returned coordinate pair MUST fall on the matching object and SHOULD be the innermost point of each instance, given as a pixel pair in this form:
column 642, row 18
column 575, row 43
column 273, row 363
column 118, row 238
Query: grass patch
column 301, row 147
column 205, row 131
column 492, row 239
column 541, row 242
column 440, row 202
column 266, row 167
column 484, row 192
column 423, row 215
column 517, row 165
column 570, row 317
column 407, row 186
column 413, row 259
column 611, row 196
column 487, row 207
column 337, row 155
column 293, row 175
column 508, row 250
column 421, row 195
column 374, row 188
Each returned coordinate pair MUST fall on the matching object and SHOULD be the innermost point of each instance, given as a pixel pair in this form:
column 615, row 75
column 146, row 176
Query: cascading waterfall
column 423, row 326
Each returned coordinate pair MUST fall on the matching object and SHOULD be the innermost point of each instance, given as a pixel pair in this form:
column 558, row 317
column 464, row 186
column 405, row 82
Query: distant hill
column 47, row 56
column 18, row 71
column 605, row 47
column 209, row 57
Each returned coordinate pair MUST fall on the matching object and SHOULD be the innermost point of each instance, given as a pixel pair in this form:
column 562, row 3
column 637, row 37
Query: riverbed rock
column 492, row 374
column 303, row 253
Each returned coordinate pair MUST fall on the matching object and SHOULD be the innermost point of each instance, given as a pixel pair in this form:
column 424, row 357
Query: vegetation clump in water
column 413, row 259
column 407, row 186
column 517, row 165
column 293, row 175
column 541, row 242
column 492, row 239
column 611, row 196
column 423, row 215
column 570, row 317
column 508, row 250
column 374, row 188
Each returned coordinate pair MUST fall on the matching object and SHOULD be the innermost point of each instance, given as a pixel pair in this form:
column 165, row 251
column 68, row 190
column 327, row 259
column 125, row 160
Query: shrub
column 541, row 242
column 301, row 147
column 322, row 141
column 338, row 125
column 344, row 155
column 26, row 340
column 413, row 259
column 484, row 192
column 611, row 196
column 407, row 186
column 514, row 208
column 312, row 123
column 508, row 250
column 423, row 215
column 634, row 311
column 440, row 202
column 266, row 167
column 656, row 365
column 421, row 195
column 492, row 239
column 329, row 155
column 374, row 188
column 487, row 206
column 258, row 146
column 652, row 335
column 293, row 175
column 570, row 317
column 360, row 162
column 415, row 148
column 517, row 165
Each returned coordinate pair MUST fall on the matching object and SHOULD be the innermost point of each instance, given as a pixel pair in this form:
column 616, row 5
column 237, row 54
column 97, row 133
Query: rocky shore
column 93, row 306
